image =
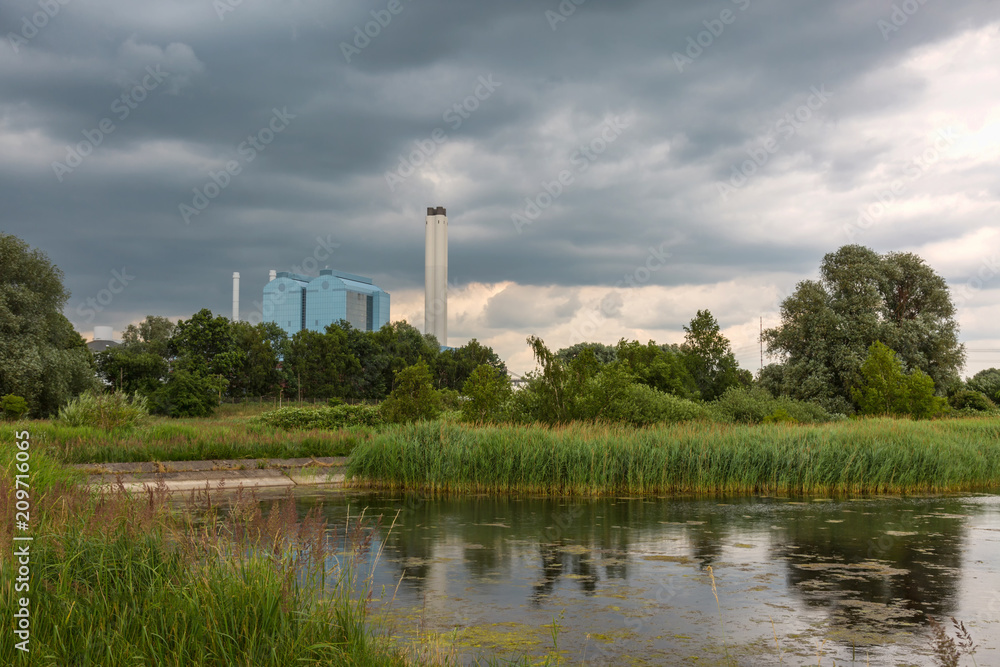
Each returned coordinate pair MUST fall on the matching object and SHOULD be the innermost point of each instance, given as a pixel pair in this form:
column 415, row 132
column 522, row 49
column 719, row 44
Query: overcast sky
column 608, row 167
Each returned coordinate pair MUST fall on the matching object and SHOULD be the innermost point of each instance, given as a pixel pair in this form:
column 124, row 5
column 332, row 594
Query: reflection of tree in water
column 868, row 577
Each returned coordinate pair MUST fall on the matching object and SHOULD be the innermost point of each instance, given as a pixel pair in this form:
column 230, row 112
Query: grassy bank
column 117, row 580
column 859, row 457
column 184, row 440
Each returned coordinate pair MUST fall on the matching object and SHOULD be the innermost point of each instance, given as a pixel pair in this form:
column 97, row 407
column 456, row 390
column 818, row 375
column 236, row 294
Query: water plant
column 851, row 457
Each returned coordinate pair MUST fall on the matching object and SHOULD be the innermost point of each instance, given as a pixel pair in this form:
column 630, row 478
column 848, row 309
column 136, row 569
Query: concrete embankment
column 226, row 474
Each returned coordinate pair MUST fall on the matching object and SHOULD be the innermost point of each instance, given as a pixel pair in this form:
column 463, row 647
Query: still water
column 630, row 580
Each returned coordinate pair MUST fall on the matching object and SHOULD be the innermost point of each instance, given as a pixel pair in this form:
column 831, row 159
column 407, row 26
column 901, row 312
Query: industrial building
column 296, row 302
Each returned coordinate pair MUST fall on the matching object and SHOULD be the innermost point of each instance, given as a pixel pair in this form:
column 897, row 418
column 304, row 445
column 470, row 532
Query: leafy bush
column 487, row 392
column 987, row 382
column 642, row 405
column 971, row 400
column 780, row 416
column 13, row 407
column 754, row 405
column 413, row 398
column 339, row 416
column 187, row 394
column 451, row 400
column 886, row 390
column 117, row 411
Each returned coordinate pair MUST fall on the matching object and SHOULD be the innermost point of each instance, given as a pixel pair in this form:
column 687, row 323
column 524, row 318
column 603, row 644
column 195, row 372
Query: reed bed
column 876, row 456
column 186, row 440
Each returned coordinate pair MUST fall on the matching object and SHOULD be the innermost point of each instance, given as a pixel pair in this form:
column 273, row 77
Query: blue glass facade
column 302, row 302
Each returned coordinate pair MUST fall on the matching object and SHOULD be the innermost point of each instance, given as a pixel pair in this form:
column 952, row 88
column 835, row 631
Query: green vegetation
column 120, row 580
column 335, row 417
column 756, row 406
column 861, row 298
column 42, row 359
column 885, row 389
column 111, row 412
column 185, row 440
column 13, row 407
column 413, row 398
column 857, row 457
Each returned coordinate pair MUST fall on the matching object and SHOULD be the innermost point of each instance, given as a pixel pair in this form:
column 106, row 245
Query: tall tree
column 42, row 358
column 709, row 356
column 827, row 325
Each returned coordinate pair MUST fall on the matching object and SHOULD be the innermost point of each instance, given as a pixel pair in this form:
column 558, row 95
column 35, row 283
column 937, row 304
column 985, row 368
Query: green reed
column 857, row 457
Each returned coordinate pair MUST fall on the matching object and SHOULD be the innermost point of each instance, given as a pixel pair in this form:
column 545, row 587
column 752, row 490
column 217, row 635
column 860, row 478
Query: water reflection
column 862, row 573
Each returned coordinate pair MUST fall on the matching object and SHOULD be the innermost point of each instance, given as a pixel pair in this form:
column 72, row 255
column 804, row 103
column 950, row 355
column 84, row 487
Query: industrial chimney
column 436, row 274
column 236, row 296
column 272, row 274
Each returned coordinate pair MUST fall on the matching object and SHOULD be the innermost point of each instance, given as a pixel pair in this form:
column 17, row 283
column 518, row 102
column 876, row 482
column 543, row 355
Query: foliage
column 207, row 345
column 413, row 397
column 132, row 368
column 264, row 345
column 755, row 405
column 709, row 357
column 336, row 417
column 487, row 393
column 968, row 399
column 453, row 367
column 106, row 411
column 855, row 457
column 605, row 354
column 187, row 394
column 780, row 416
column 988, row 382
column 641, row 405
column 661, row 367
column 13, row 407
column 827, row 325
column 320, row 363
column 42, row 359
column 884, row 389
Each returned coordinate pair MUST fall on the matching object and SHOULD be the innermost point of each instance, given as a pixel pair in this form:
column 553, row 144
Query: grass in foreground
column 857, row 457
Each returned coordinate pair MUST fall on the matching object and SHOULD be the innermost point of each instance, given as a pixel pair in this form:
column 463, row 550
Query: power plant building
column 296, row 302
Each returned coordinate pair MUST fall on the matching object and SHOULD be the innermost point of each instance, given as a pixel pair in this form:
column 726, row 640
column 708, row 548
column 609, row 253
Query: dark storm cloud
column 684, row 126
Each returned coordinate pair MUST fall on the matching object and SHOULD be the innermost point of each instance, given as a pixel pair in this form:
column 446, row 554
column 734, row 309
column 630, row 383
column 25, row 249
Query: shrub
column 641, row 405
column 13, row 407
column 337, row 417
column 971, row 400
column 117, row 411
column 187, row 394
column 487, row 392
column 413, row 398
column 780, row 416
column 754, row 405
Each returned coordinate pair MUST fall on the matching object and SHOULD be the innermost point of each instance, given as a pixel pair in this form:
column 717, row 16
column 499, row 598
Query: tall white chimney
column 436, row 274
column 271, row 275
column 236, row 296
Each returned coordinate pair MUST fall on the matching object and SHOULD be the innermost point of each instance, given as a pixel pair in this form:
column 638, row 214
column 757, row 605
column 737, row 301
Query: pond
column 663, row 581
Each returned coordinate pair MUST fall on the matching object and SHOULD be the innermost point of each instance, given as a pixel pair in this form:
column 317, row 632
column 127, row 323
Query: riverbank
column 120, row 579
column 874, row 456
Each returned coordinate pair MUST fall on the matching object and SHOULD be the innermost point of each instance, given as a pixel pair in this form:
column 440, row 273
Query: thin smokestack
column 272, row 274
column 236, row 297
column 430, row 247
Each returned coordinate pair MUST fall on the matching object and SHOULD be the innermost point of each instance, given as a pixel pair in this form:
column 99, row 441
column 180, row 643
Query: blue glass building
column 298, row 302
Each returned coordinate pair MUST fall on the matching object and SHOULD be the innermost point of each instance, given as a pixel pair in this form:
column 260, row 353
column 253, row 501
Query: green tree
column 413, row 398
column 661, row 367
column 263, row 345
column 13, row 407
column 709, row 357
column 207, row 344
column 187, row 394
column 885, row 389
column 988, row 382
column 603, row 353
column 320, row 364
column 827, row 325
column 151, row 335
column 453, row 367
column 42, row 358
column 487, row 392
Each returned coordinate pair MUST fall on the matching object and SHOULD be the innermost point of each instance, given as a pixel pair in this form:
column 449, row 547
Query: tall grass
column 184, row 440
column 857, row 457
column 120, row 580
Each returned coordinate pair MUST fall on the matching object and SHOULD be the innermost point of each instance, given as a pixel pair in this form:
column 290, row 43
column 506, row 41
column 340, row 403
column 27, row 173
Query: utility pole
column 762, row 342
